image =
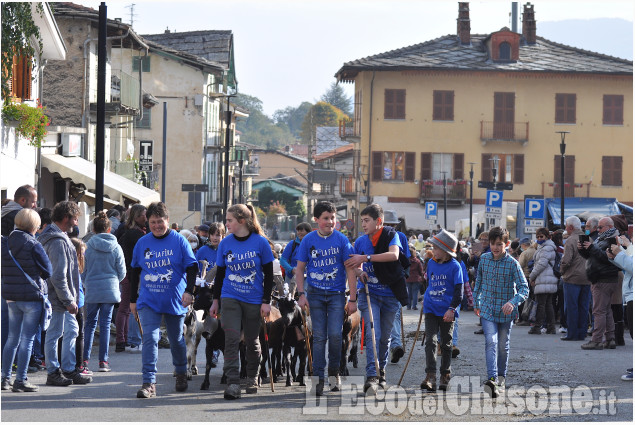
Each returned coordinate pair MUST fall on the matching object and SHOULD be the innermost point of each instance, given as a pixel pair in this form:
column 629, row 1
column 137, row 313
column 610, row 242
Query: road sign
column 494, row 199
column 145, row 155
column 338, row 225
column 535, row 208
column 531, row 230
column 430, row 222
column 493, row 215
column 431, row 210
column 499, row 186
column 194, row 188
column 534, row 223
column 350, row 224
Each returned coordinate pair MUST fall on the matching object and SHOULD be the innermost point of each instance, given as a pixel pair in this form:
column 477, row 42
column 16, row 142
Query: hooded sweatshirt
column 63, row 285
column 105, row 267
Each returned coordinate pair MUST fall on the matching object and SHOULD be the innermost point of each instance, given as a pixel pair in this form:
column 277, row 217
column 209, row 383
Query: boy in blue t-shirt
column 440, row 305
column 208, row 251
column 322, row 254
column 383, row 303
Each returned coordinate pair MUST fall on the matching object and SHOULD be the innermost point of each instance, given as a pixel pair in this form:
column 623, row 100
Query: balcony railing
column 251, row 170
column 510, row 132
column 571, row 190
column 432, row 190
column 124, row 94
column 349, row 128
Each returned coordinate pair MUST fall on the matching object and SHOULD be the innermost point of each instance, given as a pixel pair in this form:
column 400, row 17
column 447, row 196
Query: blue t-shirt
column 163, row 262
column 466, row 277
column 441, row 281
column 324, row 258
column 403, row 239
column 289, row 257
column 244, row 279
column 208, row 254
column 364, row 246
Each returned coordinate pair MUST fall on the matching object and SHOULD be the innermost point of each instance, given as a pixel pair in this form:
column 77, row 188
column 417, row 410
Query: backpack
column 556, row 265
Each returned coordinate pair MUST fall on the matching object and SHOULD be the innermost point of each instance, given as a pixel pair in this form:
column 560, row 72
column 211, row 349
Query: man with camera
column 604, row 282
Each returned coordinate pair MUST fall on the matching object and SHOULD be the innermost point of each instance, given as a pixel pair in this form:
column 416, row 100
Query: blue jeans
column 103, row 312
column 384, row 310
column 395, row 334
column 24, row 320
column 327, row 316
column 496, row 347
column 4, row 331
column 134, row 335
column 413, row 294
column 150, row 323
column 576, row 307
column 36, row 353
column 62, row 323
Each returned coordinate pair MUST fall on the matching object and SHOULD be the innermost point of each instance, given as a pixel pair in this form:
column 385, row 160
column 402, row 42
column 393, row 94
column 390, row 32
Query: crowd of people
column 135, row 270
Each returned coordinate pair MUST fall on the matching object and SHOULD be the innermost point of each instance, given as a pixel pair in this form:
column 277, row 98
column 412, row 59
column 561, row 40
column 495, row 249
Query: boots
column 534, row 330
column 335, row 383
column 371, row 385
column 619, row 334
column 445, row 381
column 430, row 383
column 319, row 388
column 252, row 385
column 551, row 329
column 382, row 378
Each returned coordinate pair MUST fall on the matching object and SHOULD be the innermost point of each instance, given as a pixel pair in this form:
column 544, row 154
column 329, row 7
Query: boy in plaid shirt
column 500, row 287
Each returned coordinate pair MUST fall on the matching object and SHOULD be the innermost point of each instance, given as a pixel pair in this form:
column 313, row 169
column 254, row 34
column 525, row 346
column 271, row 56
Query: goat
column 293, row 337
column 350, row 340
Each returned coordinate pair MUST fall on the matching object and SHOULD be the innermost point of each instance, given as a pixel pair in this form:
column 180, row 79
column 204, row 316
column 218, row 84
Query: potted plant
column 30, row 122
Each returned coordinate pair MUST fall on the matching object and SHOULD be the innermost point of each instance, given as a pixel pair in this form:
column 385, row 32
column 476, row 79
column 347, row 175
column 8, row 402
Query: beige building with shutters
column 438, row 108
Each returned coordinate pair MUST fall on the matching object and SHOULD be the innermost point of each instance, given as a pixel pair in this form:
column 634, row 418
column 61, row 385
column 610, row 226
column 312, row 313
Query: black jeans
column 629, row 317
column 545, row 307
column 433, row 325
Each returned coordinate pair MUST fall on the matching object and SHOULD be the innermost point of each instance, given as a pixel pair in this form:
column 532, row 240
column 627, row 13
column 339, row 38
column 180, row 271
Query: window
column 565, row 108
column 505, row 52
column 145, row 61
column 611, row 171
column 146, row 121
column 443, row 105
column 511, row 168
column 20, row 83
column 393, row 166
column 613, row 109
column 395, row 104
column 434, row 164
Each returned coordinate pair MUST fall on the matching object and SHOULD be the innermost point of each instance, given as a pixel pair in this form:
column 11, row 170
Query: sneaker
column 396, row 353
column 164, row 343
column 562, row 330
column 592, row 346
column 6, row 383
column 610, row 344
column 104, row 367
column 232, row 392
column 58, row 379
column 83, row 369
column 491, row 387
column 133, row 348
column 455, row 351
column 501, row 383
column 535, row 330
column 120, row 347
column 147, row 390
column 628, row 376
column 335, row 382
column 24, row 386
column 382, row 378
column 78, row 378
column 444, row 383
column 479, row 332
column 181, row 382
column 252, row 385
column 371, row 385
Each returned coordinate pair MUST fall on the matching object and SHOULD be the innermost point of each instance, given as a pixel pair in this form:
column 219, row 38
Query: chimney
column 529, row 24
column 463, row 23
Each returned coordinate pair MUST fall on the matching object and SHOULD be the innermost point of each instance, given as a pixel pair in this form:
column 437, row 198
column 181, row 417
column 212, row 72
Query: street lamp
column 471, row 192
column 495, row 160
column 239, row 155
column 445, row 201
column 563, row 146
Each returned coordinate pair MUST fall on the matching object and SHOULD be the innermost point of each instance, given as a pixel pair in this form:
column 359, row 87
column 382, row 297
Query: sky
column 288, row 51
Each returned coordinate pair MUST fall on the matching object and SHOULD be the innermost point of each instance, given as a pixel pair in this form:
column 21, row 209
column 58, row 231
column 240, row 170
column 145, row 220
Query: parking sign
column 494, row 199
column 535, row 209
column 431, row 210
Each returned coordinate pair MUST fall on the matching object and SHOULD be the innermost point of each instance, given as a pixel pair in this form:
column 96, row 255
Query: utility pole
column 445, row 200
column 471, row 192
column 309, row 192
column 101, row 108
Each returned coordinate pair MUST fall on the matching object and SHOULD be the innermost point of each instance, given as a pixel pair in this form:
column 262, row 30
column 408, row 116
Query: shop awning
column 576, row 206
column 117, row 187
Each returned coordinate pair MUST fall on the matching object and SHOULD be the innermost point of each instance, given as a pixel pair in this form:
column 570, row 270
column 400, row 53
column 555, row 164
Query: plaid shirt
column 497, row 282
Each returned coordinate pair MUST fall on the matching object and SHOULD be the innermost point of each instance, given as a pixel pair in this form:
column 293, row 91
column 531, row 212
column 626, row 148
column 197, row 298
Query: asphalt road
column 548, row 380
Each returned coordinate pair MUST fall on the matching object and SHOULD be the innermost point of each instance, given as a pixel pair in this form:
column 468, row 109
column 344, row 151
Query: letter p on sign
column 535, row 209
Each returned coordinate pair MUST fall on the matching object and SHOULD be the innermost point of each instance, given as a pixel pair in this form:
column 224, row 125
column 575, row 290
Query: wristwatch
column 368, row 258
column 300, row 294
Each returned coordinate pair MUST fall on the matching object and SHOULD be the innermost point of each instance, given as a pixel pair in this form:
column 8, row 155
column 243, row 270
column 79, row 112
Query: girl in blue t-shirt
column 208, row 251
column 244, row 281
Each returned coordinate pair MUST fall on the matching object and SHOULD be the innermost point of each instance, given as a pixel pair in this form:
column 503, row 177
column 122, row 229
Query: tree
column 18, row 32
column 292, row 117
column 321, row 114
column 297, row 208
column 335, row 96
column 258, row 129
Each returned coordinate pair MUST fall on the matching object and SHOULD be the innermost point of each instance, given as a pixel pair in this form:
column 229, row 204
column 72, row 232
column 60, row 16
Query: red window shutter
column 377, row 166
column 426, row 166
column 519, row 168
column 409, row 175
column 27, row 78
column 486, row 167
column 457, row 172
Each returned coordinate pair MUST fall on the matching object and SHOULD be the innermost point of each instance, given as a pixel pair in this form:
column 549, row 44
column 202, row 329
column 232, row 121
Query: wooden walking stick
column 372, row 328
column 136, row 316
column 403, row 337
column 308, row 343
column 264, row 322
column 414, row 342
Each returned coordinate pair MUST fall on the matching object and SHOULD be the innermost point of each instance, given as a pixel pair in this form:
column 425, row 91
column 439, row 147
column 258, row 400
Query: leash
column 264, row 322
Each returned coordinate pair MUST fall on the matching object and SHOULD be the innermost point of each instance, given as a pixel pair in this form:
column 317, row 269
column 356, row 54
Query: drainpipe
column 43, row 63
column 370, row 140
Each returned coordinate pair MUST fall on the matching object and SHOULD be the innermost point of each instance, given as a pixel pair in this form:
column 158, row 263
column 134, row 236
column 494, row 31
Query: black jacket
column 391, row 273
column 598, row 266
column 31, row 256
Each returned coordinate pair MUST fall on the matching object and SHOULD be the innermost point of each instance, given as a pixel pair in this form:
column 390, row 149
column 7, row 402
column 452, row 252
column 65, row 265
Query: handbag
column 47, row 308
column 530, row 308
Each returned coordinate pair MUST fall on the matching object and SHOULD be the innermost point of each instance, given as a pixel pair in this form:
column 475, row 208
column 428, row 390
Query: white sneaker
column 563, row 330
column 543, row 330
column 133, row 348
column 501, row 383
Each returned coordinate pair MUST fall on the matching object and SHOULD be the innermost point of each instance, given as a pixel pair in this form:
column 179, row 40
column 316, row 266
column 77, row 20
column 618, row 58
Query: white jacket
column 542, row 273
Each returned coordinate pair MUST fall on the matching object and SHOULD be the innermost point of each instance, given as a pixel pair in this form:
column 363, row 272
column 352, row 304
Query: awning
column 117, row 187
column 576, row 206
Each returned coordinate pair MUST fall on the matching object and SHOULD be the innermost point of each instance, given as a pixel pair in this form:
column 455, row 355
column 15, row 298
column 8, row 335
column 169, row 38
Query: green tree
column 292, row 117
column 321, row 114
column 18, row 29
column 258, row 129
column 336, row 96
column 297, row 208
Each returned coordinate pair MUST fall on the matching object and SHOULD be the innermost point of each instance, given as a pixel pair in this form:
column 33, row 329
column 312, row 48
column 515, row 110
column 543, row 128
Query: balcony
column 432, row 190
column 347, row 185
column 571, row 190
column 251, row 170
column 492, row 131
column 124, row 95
column 349, row 129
